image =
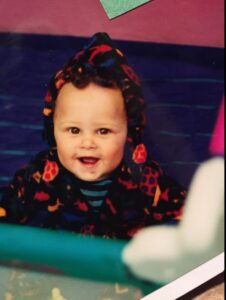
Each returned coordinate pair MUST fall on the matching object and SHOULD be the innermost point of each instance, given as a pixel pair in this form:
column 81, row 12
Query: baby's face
column 90, row 129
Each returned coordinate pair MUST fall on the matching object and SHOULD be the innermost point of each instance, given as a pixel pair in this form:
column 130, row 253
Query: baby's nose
column 88, row 142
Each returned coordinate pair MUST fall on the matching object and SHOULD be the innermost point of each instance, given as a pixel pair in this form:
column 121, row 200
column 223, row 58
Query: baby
column 96, row 178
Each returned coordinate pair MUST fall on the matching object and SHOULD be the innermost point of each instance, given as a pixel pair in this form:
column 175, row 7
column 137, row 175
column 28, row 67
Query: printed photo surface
column 155, row 209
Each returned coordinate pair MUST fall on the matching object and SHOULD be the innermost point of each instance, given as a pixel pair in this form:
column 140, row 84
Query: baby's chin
column 91, row 177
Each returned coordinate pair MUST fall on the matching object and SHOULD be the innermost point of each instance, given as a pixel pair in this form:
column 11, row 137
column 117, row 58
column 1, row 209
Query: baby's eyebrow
column 96, row 125
column 113, row 124
column 70, row 123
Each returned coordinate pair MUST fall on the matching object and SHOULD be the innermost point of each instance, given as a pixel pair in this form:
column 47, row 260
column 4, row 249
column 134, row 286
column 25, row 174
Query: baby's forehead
column 92, row 100
column 92, row 91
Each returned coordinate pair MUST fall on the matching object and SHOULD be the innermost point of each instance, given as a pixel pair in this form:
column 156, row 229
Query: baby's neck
column 94, row 192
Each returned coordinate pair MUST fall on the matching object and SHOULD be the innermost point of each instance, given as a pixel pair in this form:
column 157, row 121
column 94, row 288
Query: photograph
column 111, row 148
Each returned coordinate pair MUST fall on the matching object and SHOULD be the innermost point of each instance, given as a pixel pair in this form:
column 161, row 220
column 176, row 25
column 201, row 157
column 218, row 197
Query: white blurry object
column 163, row 253
column 204, row 210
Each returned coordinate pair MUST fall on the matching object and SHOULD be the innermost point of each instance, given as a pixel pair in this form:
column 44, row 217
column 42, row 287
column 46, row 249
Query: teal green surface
column 19, row 284
column 116, row 8
column 84, row 257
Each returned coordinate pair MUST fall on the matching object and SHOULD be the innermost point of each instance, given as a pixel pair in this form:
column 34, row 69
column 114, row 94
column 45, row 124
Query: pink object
column 217, row 142
column 183, row 22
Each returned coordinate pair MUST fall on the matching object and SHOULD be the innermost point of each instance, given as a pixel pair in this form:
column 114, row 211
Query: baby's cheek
column 63, row 155
column 116, row 153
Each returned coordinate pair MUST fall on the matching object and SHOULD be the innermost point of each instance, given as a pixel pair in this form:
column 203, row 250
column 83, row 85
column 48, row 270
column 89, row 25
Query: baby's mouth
column 88, row 160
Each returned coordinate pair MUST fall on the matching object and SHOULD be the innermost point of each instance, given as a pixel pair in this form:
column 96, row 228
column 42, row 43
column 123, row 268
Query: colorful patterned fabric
column 45, row 194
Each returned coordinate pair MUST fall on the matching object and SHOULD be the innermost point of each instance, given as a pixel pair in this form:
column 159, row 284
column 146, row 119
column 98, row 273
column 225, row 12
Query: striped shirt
column 95, row 192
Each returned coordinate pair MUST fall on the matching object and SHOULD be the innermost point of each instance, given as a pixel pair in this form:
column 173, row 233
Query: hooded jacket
column 45, row 194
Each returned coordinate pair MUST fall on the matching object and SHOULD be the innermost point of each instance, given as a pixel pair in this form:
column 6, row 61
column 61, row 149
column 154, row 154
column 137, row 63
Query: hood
column 101, row 57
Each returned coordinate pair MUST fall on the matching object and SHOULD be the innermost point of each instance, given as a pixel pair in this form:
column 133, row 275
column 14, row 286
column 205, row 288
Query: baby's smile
column 88, row 160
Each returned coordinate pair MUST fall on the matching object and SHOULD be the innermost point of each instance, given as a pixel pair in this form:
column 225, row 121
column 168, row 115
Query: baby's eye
column 103, row 131
column 74, row 130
